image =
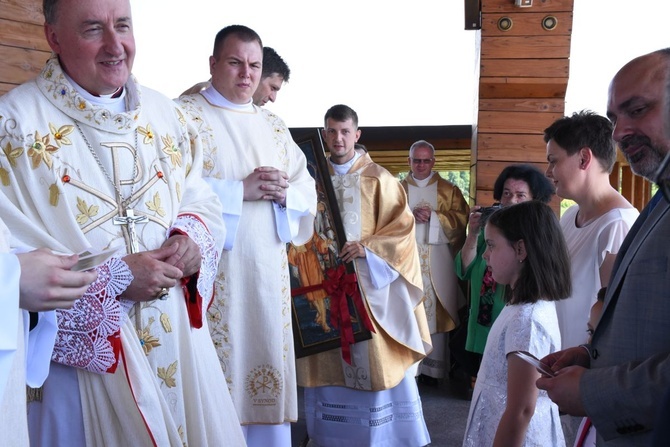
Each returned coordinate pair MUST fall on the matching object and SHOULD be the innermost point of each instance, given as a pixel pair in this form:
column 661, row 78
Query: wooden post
column 523, row 77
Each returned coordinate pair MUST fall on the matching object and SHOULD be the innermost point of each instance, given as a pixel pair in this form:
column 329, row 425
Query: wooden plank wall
column 23, row 48
column 633, row 187
column 523, row 77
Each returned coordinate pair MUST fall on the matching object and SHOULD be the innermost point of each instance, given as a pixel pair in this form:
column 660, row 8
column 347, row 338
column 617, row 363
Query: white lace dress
column 524, row 327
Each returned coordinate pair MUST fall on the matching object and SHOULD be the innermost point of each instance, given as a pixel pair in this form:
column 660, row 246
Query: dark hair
column 341, row 113
column 540, row 186
column 273, row 63
column 546, row 270
column 244, row 33
column 49, row 8
column 584, row 129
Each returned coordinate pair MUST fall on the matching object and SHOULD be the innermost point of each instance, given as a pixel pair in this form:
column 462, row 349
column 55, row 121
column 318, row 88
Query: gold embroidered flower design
column 12, row 153
column 147, row 340
column 54, row 195
column 171, row 150
column 165, row 321
column 181, row 118
column 214, row 316
column 86, row 212
column 167, row 375
column 4, row 176
column 41, row 150
column 147, row 133
column 60, row 134
column 155, row 205
column 208, row 165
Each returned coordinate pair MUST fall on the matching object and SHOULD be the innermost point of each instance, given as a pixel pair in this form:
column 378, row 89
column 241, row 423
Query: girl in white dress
column 526, row 251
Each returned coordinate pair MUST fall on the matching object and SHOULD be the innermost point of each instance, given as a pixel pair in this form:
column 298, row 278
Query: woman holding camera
column 515, row 184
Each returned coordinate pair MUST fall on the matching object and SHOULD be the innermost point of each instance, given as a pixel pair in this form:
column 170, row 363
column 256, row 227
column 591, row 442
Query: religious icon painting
column 327, row 304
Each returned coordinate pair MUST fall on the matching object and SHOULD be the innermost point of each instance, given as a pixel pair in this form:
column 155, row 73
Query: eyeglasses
column 418, row 161
column 663, row 177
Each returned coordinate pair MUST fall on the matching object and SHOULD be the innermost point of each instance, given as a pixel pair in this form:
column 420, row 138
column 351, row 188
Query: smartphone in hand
column 530, row 358
column 88, row 260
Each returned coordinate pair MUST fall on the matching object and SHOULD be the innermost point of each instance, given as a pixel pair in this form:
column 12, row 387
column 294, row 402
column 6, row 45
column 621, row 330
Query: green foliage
column 460, row 179
column 565, row 204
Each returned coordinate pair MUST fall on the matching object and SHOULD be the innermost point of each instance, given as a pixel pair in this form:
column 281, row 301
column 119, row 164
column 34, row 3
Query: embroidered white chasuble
column 251, row 315
column 374, row 211
column 149, row 376
column 437, row 241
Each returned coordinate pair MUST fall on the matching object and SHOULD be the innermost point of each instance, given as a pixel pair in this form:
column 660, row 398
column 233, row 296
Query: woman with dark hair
column 516, row 183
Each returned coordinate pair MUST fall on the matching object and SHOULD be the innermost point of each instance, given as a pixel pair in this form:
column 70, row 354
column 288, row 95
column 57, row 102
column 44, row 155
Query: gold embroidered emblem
column 181, row 118
column 147, row 133
column 155, row 205
column 167, row 375
column 12, row 153
column 165, row 321
column 60, row 134
column 86, row 212
column 41, row 150
column 54, row 194
column 147, row 340
column 263, row 385
column 171, row 150
column 4, row 176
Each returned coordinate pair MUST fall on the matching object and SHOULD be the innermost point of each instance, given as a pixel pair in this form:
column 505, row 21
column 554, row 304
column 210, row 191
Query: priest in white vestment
column 36, row 281
column 93, row 161
column 441, row 215
column 373, row 400
column 269, row 199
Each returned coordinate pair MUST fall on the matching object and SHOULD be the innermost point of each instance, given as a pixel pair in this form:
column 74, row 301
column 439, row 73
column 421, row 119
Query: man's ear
column 358, row 135
column 51, row 37
column 212, row 63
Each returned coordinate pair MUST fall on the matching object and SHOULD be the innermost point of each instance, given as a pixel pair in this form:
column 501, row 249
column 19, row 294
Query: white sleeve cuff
column 288, row 218
column 231, row 195
column 381, row 273
column 40, row 345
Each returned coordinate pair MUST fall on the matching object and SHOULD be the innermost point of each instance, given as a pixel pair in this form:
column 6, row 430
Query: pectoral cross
column 130, row 220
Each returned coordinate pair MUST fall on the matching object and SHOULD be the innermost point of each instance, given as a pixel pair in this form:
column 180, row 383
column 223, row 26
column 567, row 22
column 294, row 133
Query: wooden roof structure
column 523, row 71
column 389, row 146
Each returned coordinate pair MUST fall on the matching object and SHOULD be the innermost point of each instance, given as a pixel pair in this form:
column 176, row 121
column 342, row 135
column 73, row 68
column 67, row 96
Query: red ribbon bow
column 339, row 285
